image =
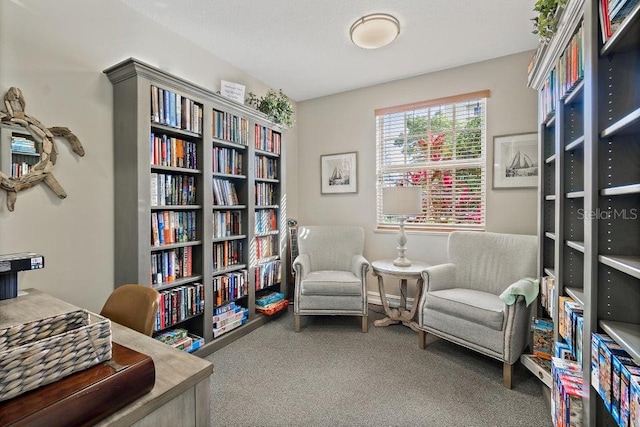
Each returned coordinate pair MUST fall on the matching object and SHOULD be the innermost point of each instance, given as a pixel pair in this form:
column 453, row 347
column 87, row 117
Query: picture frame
column 515, row 161
column 339, row 173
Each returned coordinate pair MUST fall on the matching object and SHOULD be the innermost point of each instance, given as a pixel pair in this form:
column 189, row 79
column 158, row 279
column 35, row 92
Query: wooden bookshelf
column 201, row 146
column 589, row 133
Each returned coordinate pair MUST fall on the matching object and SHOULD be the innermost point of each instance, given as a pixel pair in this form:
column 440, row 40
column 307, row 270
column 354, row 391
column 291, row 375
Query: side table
column 401, row 314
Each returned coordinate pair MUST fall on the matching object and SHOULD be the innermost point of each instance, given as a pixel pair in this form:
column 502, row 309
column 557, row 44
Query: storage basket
column 43, row 351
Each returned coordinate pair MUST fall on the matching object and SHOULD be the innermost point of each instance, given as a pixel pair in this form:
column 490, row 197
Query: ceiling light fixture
column 374, row 31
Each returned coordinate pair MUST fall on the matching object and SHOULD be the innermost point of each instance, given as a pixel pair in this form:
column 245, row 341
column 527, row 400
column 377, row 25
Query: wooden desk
column 181, row 392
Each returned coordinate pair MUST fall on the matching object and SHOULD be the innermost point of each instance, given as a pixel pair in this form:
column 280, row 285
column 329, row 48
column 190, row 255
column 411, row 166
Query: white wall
column 345, row 122
column 55, row 51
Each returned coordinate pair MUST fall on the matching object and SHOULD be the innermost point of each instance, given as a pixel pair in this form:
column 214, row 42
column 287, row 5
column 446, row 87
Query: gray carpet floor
column 331, row 374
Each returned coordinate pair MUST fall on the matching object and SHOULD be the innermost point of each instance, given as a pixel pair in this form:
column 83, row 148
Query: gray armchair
column 464, row 301
column 330, row 273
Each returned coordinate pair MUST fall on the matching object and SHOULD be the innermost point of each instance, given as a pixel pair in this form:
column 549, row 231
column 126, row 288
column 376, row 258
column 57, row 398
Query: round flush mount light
column 374, row 31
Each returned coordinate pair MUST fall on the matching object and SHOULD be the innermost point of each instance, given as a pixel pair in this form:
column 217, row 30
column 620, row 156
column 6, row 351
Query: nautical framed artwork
column 339, row 173
column 515, row 160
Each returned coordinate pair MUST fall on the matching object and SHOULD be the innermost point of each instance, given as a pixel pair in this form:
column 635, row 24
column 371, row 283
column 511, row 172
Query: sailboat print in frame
column 339, row 173
column 515, row 160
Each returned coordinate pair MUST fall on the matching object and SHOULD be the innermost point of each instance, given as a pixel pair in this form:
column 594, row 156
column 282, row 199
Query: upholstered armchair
column 466, row 300
column 330, row 273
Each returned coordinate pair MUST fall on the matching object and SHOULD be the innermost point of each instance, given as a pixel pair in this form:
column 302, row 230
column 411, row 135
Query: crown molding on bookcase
column 543, row 63
column 132, row 66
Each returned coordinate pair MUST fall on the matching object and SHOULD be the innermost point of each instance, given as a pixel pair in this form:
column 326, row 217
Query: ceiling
column 303, row 46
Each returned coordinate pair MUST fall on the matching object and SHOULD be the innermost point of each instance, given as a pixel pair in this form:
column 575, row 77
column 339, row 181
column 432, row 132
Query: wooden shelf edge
column 621, row 190
column 621, row 124
column 574, row 244
column 550, row 272
column 626, row 264
column 625, row 334
column 529, row 362
column 576, row 293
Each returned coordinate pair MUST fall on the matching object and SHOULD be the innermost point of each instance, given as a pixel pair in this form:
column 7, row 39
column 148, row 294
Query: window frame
column 481, row 162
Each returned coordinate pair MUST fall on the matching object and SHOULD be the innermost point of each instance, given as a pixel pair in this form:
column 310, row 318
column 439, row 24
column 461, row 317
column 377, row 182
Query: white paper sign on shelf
column 232, row 91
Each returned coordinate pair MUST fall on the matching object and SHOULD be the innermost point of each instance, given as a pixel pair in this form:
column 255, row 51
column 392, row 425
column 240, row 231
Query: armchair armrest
column 439, row 277
column 526, row 287
column 516, row 329
column 359, row 266
column 302, row 265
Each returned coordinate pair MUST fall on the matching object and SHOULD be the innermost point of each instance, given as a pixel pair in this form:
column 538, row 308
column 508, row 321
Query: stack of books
column 181, row 339
column 23, row 145
column 228, row 317
column 271, row 303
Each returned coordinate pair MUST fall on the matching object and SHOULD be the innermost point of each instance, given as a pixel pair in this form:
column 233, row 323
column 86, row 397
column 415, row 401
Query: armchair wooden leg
column 422, row 339
column 507, row 374
column 296, row 322
column 365, row 323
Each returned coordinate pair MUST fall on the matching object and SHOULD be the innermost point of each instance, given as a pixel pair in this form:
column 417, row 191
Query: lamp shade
column 374, row 31
column 402, row 200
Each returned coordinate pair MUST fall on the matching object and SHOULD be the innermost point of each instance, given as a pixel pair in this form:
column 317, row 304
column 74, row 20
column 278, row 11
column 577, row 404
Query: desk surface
column 176, row 370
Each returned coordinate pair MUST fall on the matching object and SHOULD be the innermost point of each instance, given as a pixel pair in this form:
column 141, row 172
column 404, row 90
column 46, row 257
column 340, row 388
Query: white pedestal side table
column 401, row 314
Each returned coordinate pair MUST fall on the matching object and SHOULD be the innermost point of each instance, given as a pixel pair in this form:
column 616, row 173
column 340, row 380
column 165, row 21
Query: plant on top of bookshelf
column 546, row 23
column 274, row 104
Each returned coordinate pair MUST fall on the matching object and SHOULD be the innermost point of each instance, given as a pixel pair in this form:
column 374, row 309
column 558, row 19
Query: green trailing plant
column 546, row 23
column 275, row 105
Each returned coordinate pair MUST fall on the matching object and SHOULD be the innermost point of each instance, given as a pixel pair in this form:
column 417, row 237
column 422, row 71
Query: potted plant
column 275, row 105
column 545, row 24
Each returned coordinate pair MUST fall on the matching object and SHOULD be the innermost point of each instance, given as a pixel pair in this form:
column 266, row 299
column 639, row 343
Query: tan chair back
column 133, row 306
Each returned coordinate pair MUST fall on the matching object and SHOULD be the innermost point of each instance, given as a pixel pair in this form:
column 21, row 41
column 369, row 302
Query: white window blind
column 438, row 145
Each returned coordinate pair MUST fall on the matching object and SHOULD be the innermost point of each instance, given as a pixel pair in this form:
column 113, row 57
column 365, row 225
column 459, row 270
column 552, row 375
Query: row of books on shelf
column 548, row 293
column 169, row 227
column 267, row 246
column 268, row 274
column 227, row 160
column 23, row 145
column 171, row 265
column 230, row 286
column 224, row 193
column 168, row 151
column 226, row 254
column 271, row 303
column 179, row 303
column 266, row 167
column 267, row 139
column 171, row 109
column 616, row 378
column 266, row 194
column 570, row 65
column 266, row 220
column 227, row 224
column 20, row 169
column 612, row 14
column 172, row 190
column 181, row 339
column 230, row 127
column 228, row 317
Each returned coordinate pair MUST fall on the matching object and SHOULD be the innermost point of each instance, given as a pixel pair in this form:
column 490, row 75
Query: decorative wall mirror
column 29, row 149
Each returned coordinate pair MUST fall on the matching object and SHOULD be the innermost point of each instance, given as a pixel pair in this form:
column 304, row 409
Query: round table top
column 386, row 266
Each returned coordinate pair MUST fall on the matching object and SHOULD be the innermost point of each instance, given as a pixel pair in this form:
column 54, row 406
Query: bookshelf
column 589, row 185
column 186, row 173
column 19, row 151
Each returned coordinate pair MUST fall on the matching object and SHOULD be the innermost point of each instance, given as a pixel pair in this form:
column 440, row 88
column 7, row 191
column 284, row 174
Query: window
column 438, row 145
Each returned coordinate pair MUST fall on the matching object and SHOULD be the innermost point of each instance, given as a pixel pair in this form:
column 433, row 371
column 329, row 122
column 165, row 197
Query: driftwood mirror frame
column 14, row 115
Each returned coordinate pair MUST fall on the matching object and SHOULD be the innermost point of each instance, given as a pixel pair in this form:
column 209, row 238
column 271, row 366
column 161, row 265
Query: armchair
column 464, row 300
column 330, row 273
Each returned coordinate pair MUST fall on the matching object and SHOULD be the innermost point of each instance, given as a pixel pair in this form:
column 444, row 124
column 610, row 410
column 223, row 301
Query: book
column 542, row 338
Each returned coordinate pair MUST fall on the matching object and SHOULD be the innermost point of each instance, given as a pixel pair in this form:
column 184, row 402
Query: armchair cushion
column 331, row 282
column 479, row 307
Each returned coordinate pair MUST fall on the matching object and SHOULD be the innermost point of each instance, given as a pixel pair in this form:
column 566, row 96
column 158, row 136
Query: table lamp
column 402, row 202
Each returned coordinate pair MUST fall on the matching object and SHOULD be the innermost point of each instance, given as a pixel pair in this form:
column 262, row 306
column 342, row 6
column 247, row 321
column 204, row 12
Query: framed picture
column 339, row 173
column 515, row 160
